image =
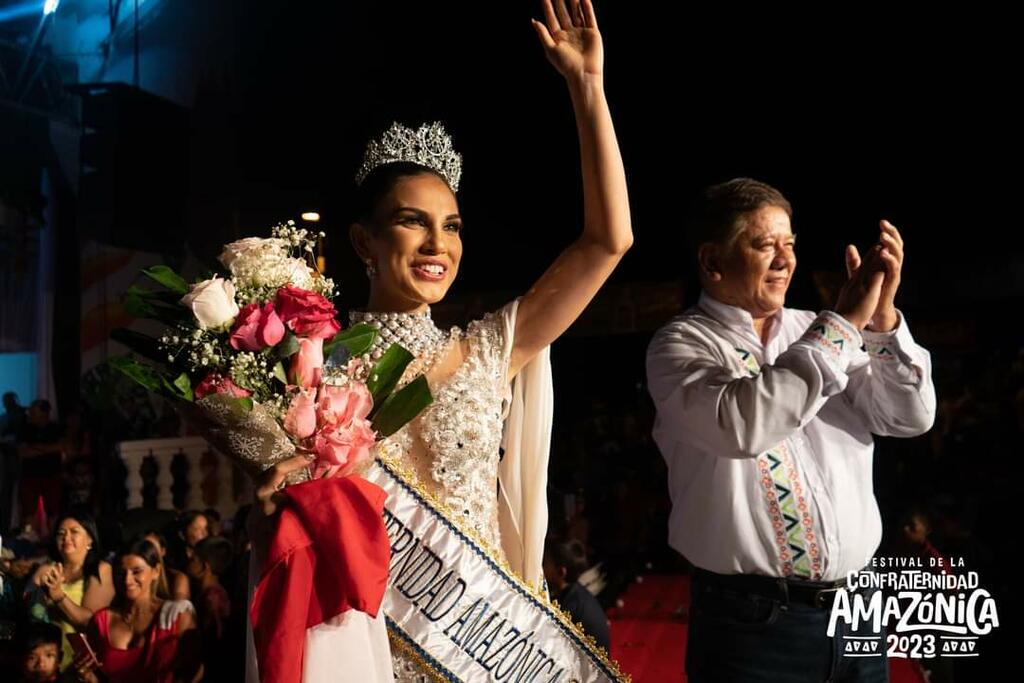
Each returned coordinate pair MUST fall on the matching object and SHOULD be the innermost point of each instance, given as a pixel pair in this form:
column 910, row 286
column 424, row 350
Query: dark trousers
column 737, row 637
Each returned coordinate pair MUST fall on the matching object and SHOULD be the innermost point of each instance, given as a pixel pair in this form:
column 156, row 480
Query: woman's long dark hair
column 91, row 565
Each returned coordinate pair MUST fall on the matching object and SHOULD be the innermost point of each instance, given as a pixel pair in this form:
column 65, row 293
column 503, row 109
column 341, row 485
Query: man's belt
column 819, row 594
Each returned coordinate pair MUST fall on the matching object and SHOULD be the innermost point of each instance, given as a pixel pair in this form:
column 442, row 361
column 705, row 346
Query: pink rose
column 307, row 363
column 256, row 328
column 341, row 405
column 306, row 313
column 300, row 421
column 342, row 448
column 218, row 384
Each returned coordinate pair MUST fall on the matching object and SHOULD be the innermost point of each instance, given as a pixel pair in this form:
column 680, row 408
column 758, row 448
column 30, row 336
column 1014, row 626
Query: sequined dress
column 453, row 446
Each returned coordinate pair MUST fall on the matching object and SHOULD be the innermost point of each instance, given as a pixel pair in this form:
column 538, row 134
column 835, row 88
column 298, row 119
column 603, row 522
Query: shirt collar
column 736, row 318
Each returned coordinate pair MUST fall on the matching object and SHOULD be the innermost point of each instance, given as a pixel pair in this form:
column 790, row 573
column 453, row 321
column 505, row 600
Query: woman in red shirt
column 143, row 636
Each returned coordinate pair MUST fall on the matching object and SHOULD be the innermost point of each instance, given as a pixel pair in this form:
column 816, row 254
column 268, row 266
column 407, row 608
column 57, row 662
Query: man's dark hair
column 570, row 555
column 718, row 216
column 217, row 552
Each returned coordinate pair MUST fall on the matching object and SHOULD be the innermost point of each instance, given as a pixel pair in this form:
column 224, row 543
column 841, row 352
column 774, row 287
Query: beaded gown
column 453, row 446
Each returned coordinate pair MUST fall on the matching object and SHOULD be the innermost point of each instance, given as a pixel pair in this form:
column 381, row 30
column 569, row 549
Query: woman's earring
column 371, row 269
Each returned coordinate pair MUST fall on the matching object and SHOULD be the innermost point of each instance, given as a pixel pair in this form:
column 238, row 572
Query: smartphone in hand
column 80, row 645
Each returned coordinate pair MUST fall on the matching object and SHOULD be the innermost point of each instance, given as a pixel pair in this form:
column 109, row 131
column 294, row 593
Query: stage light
column 50, row 7
column 311, row 217
column 15, row 12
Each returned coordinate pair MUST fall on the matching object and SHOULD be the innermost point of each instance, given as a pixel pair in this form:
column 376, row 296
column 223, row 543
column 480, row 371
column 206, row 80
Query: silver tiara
column 427, row 146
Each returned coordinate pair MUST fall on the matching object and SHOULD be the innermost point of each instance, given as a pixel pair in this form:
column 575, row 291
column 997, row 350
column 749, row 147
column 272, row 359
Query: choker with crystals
column 416, row 332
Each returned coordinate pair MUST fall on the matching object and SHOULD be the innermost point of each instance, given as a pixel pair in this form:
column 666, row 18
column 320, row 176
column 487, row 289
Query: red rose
column 307, row 313
column 256, row 328
column 218, row 384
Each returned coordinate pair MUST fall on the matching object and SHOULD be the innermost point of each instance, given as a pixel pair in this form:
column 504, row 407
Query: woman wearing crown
column 480, row 450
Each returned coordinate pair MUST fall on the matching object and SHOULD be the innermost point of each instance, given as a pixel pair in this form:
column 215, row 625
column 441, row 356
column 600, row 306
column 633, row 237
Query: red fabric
column 329, row 554
column 649, row 629
column 215, row 610
column 152, row 662
column 906, row 671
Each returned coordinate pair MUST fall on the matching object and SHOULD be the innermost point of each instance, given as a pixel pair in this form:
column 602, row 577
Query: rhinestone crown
column 429, row 146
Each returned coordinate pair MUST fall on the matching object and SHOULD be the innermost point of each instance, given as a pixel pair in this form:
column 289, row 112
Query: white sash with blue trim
column 463, row 613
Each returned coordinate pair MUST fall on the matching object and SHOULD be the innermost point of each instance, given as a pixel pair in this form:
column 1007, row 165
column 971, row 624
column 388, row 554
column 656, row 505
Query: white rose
column 251, row 245
column 212, row 303
column 297, row 273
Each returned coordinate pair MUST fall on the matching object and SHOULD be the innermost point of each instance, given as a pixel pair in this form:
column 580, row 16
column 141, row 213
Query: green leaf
column 142, row 344
column 288, row 346
column 142, row 374
column 402, row 406
column 184, row 386
column 386, row 372
column 279, row 373
column 162, row 306
column 172, row 315
column 167, row 277
column 137, row 305
column 358, row 339
column 169, row 298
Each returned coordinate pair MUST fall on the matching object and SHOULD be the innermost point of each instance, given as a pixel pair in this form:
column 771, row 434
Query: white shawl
column 523, row 471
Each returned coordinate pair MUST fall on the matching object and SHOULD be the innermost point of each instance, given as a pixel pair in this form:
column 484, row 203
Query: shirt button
column 831, row 538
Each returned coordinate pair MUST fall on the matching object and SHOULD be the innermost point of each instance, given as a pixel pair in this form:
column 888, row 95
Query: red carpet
column 649, row 630
column 649, row 633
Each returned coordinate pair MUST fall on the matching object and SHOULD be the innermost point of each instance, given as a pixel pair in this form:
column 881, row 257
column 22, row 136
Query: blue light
column 19, row 373
column 19, row 11
column 50, row 7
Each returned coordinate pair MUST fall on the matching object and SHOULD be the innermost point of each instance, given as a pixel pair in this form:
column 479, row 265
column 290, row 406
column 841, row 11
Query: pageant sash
column 457, row 609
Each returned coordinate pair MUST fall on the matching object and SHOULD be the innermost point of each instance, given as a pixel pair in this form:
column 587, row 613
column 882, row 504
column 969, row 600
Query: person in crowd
column 194, row 527
column 564, row 561
column 13, row 419
column 75, row 583
column 210, row 562
column 41, row 450
column 40, row 653
column 144, row 636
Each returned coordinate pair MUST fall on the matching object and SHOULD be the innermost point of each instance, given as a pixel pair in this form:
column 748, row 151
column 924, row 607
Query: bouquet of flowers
column 244, row 354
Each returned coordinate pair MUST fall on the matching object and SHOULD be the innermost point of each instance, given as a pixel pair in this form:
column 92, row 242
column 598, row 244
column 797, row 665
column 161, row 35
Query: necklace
column 133, row 614
column 416, row 332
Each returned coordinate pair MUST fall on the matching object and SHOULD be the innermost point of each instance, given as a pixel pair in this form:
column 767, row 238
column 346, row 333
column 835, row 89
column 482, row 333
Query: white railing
column 213, row 481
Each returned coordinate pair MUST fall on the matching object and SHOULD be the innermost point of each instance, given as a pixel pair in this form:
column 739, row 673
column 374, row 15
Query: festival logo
column 917, row 608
